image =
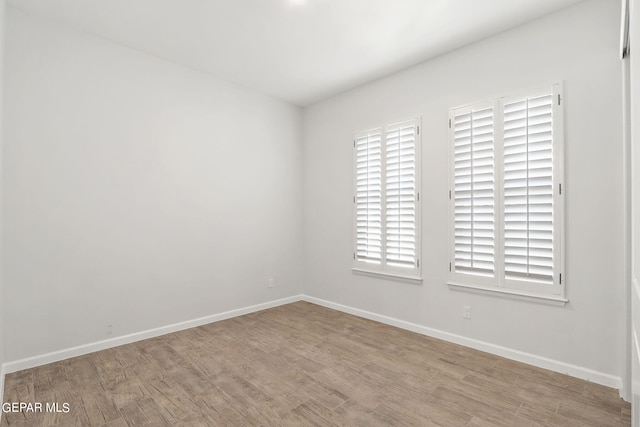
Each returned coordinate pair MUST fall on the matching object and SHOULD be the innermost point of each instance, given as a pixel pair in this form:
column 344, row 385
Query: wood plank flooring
column 302, row 364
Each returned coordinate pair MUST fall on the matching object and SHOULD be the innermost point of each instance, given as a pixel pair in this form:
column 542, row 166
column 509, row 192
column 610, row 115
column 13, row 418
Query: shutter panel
column 368, row 201
column 473, row 198
column 528, row 189
column 400, row 194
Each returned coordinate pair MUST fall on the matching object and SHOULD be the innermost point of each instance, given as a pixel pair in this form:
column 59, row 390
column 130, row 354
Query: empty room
column 320, row 212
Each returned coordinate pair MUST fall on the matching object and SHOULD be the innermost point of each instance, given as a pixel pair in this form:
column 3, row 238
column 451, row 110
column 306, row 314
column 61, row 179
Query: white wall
column 578, row 45
column 635, row 132
column 634, row 98
column 2, row 309
column 635, row 140
column 138, row 193
column 127, row 199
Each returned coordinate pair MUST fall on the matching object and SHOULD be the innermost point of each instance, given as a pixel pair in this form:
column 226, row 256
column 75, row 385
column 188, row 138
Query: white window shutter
column 401, row 194
column 473, row 190
column 528, row 189
column 368, row 197
column 507, row 202
column 386, row 231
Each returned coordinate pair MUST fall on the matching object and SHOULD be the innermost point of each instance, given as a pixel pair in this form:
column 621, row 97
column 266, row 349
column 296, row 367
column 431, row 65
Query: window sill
column 387, row 275
column 511, row 293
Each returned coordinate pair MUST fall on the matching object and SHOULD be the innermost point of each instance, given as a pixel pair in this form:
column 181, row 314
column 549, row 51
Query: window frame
column 383, row 268
column 499, row 283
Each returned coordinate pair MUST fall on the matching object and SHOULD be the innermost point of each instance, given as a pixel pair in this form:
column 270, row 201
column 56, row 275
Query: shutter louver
column 528, row 189
column 368, row 197
column 474, row 183
column 400, row 195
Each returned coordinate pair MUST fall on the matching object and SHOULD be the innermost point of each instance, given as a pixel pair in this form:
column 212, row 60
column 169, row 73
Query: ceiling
column 298, row 50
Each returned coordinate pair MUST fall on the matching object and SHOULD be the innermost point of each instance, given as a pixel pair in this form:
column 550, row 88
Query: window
column 386, row 200
column 506, row 195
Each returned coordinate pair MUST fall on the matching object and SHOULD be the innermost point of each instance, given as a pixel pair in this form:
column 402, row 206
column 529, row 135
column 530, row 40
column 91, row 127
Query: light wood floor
column 302, row 364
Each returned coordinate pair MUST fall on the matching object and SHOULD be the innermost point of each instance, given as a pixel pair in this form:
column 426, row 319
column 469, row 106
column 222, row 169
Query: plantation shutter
column 528, row 189
column 401, row 194
column 368, row 198
column 473, row 192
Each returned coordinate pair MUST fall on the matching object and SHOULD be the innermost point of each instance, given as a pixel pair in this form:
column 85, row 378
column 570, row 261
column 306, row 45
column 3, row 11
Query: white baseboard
column 635, row 345
column 2, row 373
column 520, row 356
column 80, row 350
column 532, row 359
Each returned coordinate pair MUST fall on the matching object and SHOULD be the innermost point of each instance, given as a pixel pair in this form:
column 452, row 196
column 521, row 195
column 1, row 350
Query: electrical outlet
column 109, row 329
column 270, row 283
column 466, row 311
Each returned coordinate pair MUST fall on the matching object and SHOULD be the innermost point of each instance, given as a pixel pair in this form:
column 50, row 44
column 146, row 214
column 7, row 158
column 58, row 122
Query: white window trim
column 510, row 293
column 383, row 270
column 499, row 285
